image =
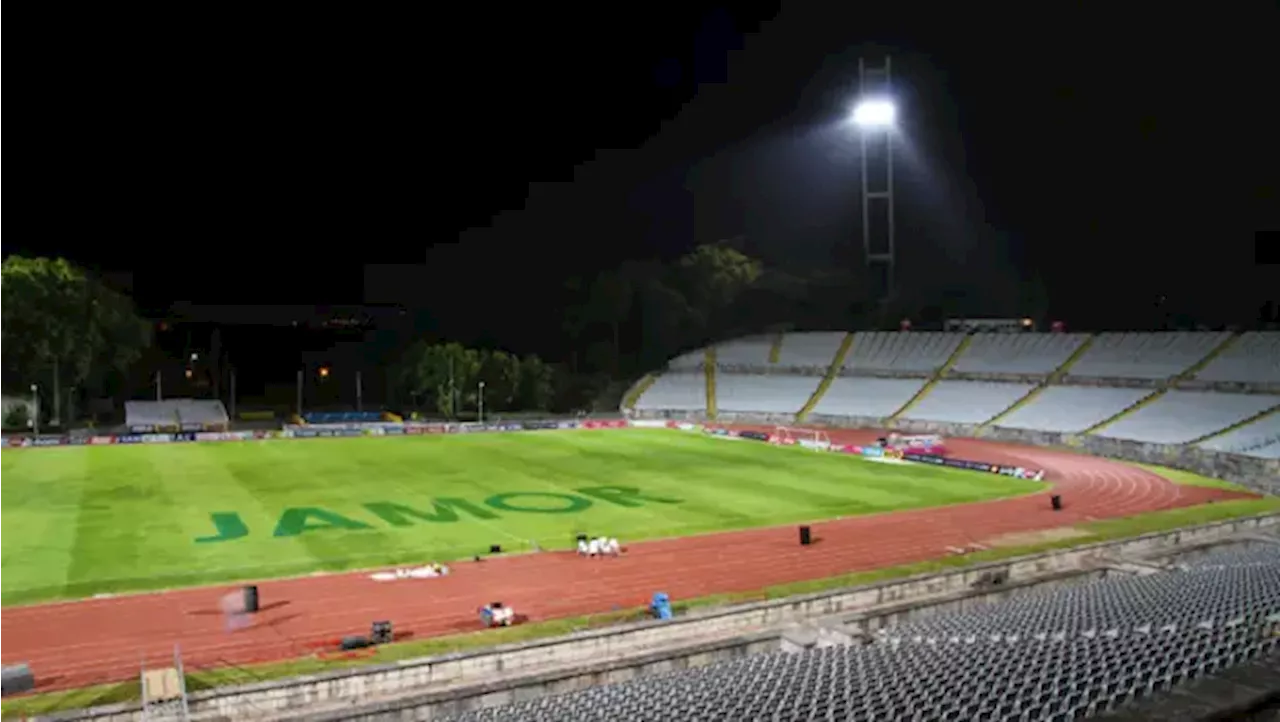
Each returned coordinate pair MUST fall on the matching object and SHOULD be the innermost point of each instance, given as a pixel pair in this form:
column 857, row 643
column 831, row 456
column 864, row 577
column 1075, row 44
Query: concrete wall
column 696, row 637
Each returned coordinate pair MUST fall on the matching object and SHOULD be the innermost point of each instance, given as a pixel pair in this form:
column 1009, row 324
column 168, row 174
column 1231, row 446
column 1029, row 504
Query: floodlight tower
column 875, row 116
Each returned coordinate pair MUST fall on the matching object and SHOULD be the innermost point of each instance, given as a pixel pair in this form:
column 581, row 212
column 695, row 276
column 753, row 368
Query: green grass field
column 85, row 520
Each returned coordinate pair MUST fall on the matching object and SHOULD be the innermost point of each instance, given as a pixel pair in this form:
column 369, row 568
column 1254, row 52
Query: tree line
column 64, row 331
column 451, row 379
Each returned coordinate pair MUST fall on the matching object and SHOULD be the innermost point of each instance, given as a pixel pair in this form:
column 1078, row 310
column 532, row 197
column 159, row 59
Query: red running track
column 74, row 644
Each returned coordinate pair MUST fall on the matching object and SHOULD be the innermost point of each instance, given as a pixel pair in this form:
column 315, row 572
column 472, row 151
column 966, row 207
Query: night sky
column 269, row 158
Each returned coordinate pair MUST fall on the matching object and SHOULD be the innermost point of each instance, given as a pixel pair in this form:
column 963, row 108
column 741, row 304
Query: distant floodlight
column 875, row 113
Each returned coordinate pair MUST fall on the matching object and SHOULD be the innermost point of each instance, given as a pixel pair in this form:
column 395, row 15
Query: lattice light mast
column 875, row 116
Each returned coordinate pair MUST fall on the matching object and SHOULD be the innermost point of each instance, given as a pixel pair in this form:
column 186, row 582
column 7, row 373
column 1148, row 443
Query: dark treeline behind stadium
column 327, row 195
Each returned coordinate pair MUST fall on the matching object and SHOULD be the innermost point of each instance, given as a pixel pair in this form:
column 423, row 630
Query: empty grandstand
column 809, row 350
column 1147, row 355
column 1178, row 417
column 868, row 397
column 675, row 392
column 1252, row 358
column 922, row 352
column 966, row 402
column 1070, row 409
column 773, row 394
column 187, row 414
column 1053, row 655
column 752, row 351
column 1018, row 353
column 1260, row 438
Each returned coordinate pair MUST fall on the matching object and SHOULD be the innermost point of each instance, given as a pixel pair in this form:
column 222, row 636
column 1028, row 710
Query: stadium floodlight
column 875, row 113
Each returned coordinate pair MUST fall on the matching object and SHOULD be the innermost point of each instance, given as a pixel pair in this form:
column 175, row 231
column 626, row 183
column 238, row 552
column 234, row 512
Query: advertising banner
column 1014, row 471
column 4, row 442
column 129, row 439
column 50, row 441
column 156, row 438
column 102, row 440
column 395, row 430
column 653, row 424
column 222, row 436
column 753, row 435
column 541, row 425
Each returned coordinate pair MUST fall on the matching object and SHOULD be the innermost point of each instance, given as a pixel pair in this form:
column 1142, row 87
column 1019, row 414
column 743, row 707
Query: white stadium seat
column 849, row 396
column 916, row 351
column 775, row 394
column 1260, row 438
column 1181, row 416
column 966, row 402
column 1069, row 409
column 809, row 349
column 745, row 352
column 175, row 413
column 1146, row 355
column 1253, row 358
column 675, row 392
column 1018, row 353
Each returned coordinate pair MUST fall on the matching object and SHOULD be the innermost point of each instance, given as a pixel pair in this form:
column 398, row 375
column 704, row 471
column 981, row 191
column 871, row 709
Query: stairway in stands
column 1237, row 425
column 833, row 371
column 1054, row 377
column 637, row 390
column 938, row 375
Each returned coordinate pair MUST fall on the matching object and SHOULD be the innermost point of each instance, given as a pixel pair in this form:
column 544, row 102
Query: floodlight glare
column 874, row 113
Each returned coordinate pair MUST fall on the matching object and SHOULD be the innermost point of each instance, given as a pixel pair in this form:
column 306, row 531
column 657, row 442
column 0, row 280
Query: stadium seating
column 774, row 394
column 1069, row 409
column 809, row 350
column 675, row 392
column 691, row 361
column 1018, row 353
column 1178, row 417
column 175, row 413
column 752, row 351
column 1260, row 438
column 1047, row 655
column 966, row 402
column 1253, row 358
column 853, row 396
column 1146, row 355
column 918, row 351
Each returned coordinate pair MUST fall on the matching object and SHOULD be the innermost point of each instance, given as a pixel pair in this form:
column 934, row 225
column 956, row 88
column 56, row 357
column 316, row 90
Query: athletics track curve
column 79, row 643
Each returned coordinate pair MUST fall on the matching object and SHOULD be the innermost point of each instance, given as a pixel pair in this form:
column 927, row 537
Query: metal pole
column 359, row 393
column 233, row 393
column 480, row 398
column 35, row 414
column 159, row 389
column 299, row 393
column 57, row 397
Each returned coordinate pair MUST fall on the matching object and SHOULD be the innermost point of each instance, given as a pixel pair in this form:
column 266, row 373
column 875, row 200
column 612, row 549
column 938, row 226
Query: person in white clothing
column 593, row 548
column 611, row 547
column 582, row 547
